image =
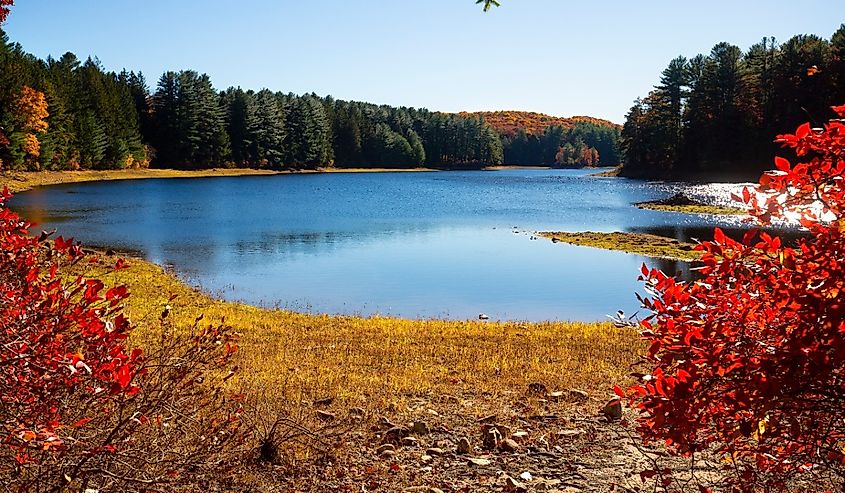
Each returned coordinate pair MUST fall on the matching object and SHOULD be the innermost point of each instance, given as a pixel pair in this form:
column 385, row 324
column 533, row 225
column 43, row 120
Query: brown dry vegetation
column 449, row 373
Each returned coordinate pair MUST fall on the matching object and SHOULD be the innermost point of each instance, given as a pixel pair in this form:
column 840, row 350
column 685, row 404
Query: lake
column 418, row 245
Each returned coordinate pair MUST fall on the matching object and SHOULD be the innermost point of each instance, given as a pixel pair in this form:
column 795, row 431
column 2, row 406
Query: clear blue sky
column 554, row 56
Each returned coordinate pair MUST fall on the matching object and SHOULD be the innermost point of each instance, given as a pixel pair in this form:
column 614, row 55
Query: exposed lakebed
column 417, row 245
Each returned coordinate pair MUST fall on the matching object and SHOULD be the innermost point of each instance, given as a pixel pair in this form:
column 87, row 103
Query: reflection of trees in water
column 677, row 268
column 692, row 234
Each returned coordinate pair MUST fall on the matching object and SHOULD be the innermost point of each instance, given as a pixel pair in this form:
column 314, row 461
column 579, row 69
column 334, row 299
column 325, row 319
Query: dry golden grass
column 379, row 362
column 637, row 243
column 19, row 181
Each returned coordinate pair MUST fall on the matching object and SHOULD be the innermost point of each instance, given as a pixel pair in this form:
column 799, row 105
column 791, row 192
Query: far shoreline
column 22, row 181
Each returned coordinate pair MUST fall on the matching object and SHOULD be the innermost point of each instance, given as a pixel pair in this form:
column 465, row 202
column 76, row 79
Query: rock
column 463, row 445
column 520, row 436
column 419, row 427
column 384, row 447
column 387, row 454
column 504, row 430
column 613, row 410
column 409, row 442
column 434, row 451
column 326, row 401
column 483, row 316
column 479, row 461
column 325, row 416
column 394, row 435
column 488, row 419
column 514, row 485
column 556, row 396
column 509, row 445
column 578, row 395
column 491, row 438
column 538, row 388
column 426, row 458
column 526, row 476
column 357, row 412
column 563, row 434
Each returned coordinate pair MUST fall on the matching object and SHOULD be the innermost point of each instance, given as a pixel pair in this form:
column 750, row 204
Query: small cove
column 415, row 245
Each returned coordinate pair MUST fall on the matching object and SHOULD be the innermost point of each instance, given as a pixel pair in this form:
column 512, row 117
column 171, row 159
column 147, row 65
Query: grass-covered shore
column 20, row 181
column 637, row 243
column 378, row 361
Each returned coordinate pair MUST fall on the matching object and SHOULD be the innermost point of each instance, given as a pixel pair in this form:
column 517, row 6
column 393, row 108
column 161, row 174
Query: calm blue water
column 419, row 245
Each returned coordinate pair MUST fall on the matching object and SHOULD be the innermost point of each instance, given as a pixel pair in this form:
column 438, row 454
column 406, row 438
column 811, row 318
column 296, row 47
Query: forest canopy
column 713, row 115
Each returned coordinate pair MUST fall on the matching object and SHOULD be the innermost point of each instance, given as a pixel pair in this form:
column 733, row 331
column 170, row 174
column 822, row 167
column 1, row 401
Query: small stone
column 419, row 427
column 387, row 454
column 526, row 476
column 409, row 442
column 514, row 485
column 479, row 461
column 426, row 458
column 463, row 445
column 488, row 419
column 613, row 410
column 538, row 388
column 357, row 411
column 509, row 445
column 426, row 469
column 384, row 447
column 578, row 395
column 325, row 416
column 434, row 451
column 570, row 433
column 520, row 436
column 394, row 435
column 504, row 430
column 326, row 401
column 556, row 396
column 491, row 439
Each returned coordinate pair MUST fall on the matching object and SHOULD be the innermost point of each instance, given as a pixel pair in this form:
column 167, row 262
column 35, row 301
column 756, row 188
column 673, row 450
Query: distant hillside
column 509, row 122
column 535, row 139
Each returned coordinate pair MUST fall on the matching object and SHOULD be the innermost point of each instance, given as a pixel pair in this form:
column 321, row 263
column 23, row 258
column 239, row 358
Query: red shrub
column 78, row 408
column 750, row 359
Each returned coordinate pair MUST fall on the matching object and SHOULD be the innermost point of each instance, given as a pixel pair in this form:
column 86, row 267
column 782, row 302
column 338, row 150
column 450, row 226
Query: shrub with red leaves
column 749, row 361
column 81, row 409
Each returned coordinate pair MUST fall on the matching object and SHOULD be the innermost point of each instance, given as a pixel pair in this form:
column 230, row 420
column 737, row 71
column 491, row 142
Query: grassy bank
column 376, row 362
column 637, row 243
column 19, row 181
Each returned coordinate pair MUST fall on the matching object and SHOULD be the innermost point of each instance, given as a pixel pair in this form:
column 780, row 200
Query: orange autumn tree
column 29, row 114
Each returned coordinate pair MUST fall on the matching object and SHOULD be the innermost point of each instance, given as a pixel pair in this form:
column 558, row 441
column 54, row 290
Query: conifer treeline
column 66, row 114
column 716, row 115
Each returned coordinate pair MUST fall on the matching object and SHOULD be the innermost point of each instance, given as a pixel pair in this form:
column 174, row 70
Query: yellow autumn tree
column 29, row 111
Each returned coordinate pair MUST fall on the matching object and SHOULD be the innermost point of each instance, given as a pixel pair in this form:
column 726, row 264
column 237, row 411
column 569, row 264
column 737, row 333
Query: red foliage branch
column 749, row 360
column 4, row 9
column 56, row 338
column 78, row 408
